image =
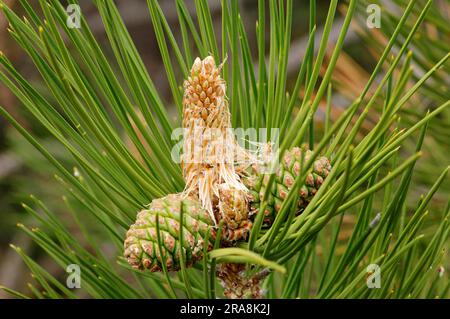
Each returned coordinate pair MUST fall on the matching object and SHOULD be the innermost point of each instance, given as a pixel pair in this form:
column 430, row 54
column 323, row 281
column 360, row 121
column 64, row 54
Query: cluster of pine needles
column 108, row 115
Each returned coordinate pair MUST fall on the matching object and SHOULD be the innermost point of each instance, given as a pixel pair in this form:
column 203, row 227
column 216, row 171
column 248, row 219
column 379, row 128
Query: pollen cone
column 209, row 147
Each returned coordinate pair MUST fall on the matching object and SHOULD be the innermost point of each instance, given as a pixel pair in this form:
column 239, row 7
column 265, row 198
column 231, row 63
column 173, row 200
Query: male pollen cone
column 209, row 145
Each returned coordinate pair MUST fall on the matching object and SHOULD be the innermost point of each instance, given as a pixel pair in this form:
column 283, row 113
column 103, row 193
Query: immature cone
column 237, row 284
column 235, row 213
column 290, row 167
column 141, row 244
column 209, row 146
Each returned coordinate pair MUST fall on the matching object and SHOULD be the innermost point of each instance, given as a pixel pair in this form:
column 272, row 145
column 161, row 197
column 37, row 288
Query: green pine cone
column 288, row 170
column 141, row 243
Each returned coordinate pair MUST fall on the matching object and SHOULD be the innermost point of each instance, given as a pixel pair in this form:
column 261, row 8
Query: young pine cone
column 141, row 244
column 288, row 170
column 237, row 284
